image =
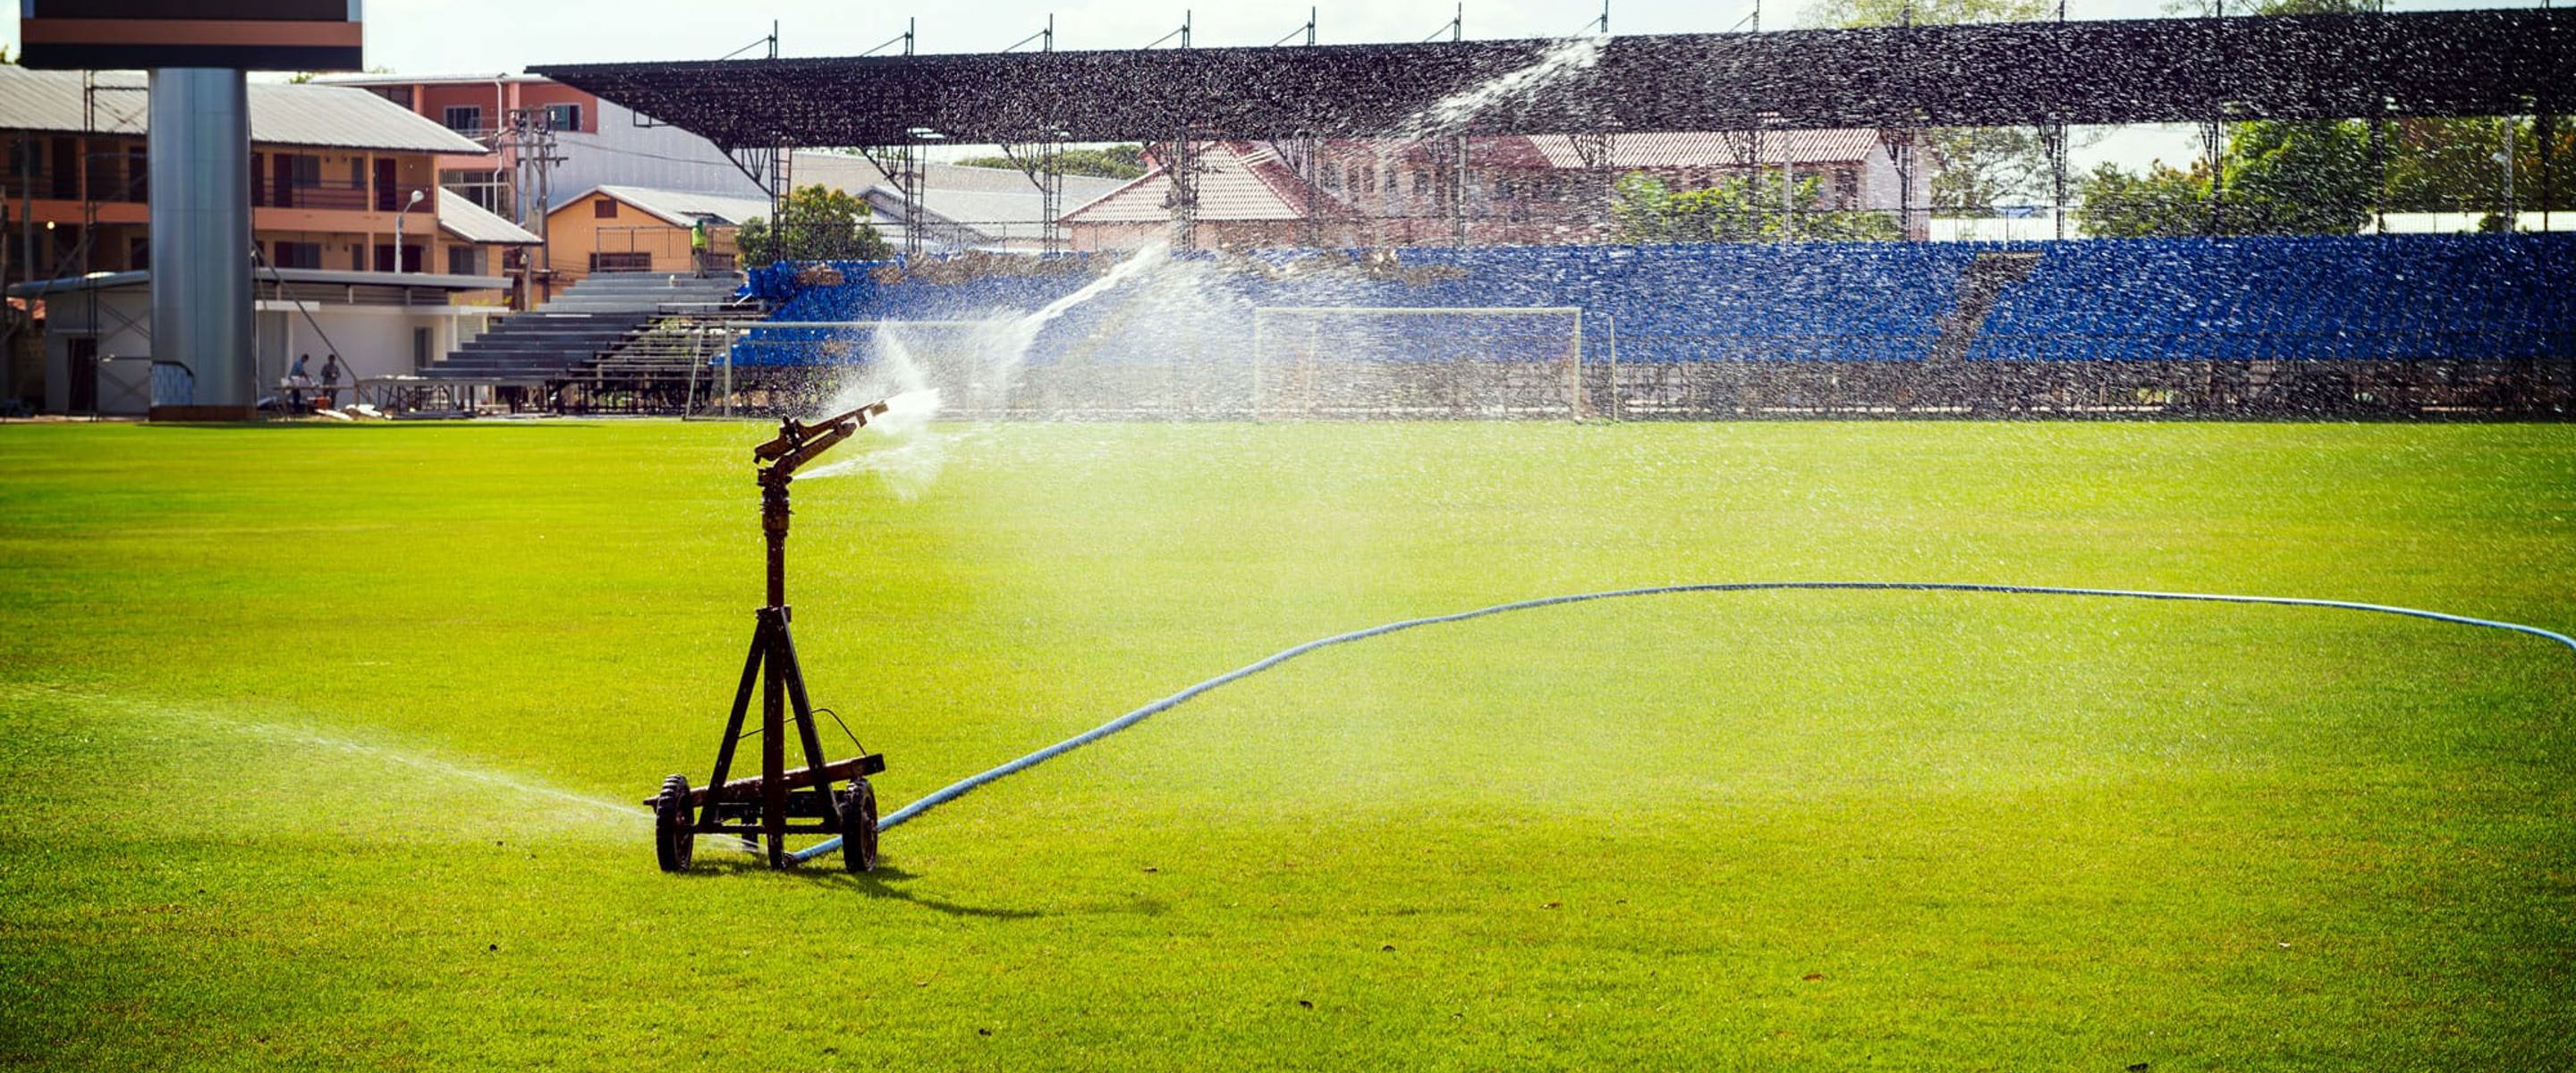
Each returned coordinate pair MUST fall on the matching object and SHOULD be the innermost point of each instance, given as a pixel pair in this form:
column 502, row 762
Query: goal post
column 1418, row 361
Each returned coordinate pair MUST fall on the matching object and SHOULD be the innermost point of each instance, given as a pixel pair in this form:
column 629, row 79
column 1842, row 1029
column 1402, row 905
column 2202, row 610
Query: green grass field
column 319, row 748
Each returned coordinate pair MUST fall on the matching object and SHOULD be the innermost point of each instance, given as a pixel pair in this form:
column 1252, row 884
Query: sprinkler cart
column 762, row 806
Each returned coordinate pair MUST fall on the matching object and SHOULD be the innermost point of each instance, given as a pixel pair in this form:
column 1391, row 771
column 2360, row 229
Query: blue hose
column 961, row 787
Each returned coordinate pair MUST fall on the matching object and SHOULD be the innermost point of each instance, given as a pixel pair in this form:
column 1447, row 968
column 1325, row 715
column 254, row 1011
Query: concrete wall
column 372, row 341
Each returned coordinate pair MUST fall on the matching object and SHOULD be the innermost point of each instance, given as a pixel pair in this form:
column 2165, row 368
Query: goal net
column 1417, row 362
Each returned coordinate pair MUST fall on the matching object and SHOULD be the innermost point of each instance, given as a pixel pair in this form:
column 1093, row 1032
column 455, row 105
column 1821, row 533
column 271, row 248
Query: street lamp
column 398, row 228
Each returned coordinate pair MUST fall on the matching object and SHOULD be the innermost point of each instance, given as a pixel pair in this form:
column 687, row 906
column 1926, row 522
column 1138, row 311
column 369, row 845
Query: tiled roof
column 1236, row 181
column 1699, row 149
column 853, row 173
column 328, row 117
column 680, row 207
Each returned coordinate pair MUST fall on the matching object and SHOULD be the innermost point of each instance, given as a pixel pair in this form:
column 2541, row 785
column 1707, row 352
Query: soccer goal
column 1417, row 362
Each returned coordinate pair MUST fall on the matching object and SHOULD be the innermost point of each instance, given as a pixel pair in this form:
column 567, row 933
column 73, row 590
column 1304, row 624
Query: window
column 482, row 186
column 285, row 254
column 465, row 260
column 1390, row 180
column 1359, row 179
column 66, row 177
column 105, row 175
column 1421, row 184
column 603, row 209
column 621, row 262
column 563, row 117
column 398, row 94
column 292, row 179
column 464, row 117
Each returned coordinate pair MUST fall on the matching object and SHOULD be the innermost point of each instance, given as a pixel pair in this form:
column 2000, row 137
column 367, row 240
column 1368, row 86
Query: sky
column 491, row 36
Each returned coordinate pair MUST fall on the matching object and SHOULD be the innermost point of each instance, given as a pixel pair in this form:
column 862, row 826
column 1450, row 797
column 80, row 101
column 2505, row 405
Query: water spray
column 764, row 806
column 962, row 787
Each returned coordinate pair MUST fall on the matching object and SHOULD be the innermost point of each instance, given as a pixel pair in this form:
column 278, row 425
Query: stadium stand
column 2459, row 298
column 613, row 329
column 2476, row 322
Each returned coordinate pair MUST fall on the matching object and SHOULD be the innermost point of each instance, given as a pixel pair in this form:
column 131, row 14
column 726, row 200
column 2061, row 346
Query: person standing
column 296, row 381
column 331, row 382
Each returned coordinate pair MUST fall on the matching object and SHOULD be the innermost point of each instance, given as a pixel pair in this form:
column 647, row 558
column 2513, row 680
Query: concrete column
column 201, row 235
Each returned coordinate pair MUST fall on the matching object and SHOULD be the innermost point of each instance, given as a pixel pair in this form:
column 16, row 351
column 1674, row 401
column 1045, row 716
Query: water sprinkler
column 779, row 801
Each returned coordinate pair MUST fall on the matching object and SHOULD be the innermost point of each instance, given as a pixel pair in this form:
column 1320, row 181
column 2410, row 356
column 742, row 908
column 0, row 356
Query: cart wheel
column 859, row 827
column 674, row 839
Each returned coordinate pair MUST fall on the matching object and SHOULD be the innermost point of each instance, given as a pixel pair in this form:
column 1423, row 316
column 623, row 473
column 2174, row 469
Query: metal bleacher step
column 597, row 317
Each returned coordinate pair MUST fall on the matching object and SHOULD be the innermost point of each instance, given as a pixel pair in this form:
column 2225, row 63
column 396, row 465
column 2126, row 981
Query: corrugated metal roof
column 461, row 217
column 681, row 207
column 324, row 117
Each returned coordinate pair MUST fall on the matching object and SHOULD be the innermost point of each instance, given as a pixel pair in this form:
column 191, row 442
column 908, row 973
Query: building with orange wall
column 633, row 229
column 334, row 218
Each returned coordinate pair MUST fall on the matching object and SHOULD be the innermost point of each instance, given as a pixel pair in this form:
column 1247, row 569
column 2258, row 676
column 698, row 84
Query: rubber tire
column 674, row 839
column 859, row 827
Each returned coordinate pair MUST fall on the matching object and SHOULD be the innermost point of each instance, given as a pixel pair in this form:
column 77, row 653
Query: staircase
column 562, row 340
column 665, row 366
column 1980, row 284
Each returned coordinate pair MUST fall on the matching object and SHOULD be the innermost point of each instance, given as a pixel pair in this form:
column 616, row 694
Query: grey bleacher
column 564, row 336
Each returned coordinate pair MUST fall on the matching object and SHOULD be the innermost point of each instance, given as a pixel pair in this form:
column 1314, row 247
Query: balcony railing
column 105, row 184
column 268, row 193
column 117, row 185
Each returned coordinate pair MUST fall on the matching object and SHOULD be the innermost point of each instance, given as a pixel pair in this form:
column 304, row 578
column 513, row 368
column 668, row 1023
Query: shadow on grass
column 880, row 884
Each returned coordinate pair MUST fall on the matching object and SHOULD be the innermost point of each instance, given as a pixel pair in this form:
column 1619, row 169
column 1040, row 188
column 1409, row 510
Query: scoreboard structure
column 244, row 35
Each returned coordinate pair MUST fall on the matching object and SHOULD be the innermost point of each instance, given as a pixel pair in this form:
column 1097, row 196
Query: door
column 419, row 349
column 84, row 375
column 385, row 186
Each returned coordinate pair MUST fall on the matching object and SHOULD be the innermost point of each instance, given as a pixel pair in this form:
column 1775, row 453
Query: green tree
column 2297, row 178
column 2319, row 177
column 2458, row 165
column 819, row 224
column 1735, row 209
column 1111, row 162
column 2158, row 202
column 2322, row 177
